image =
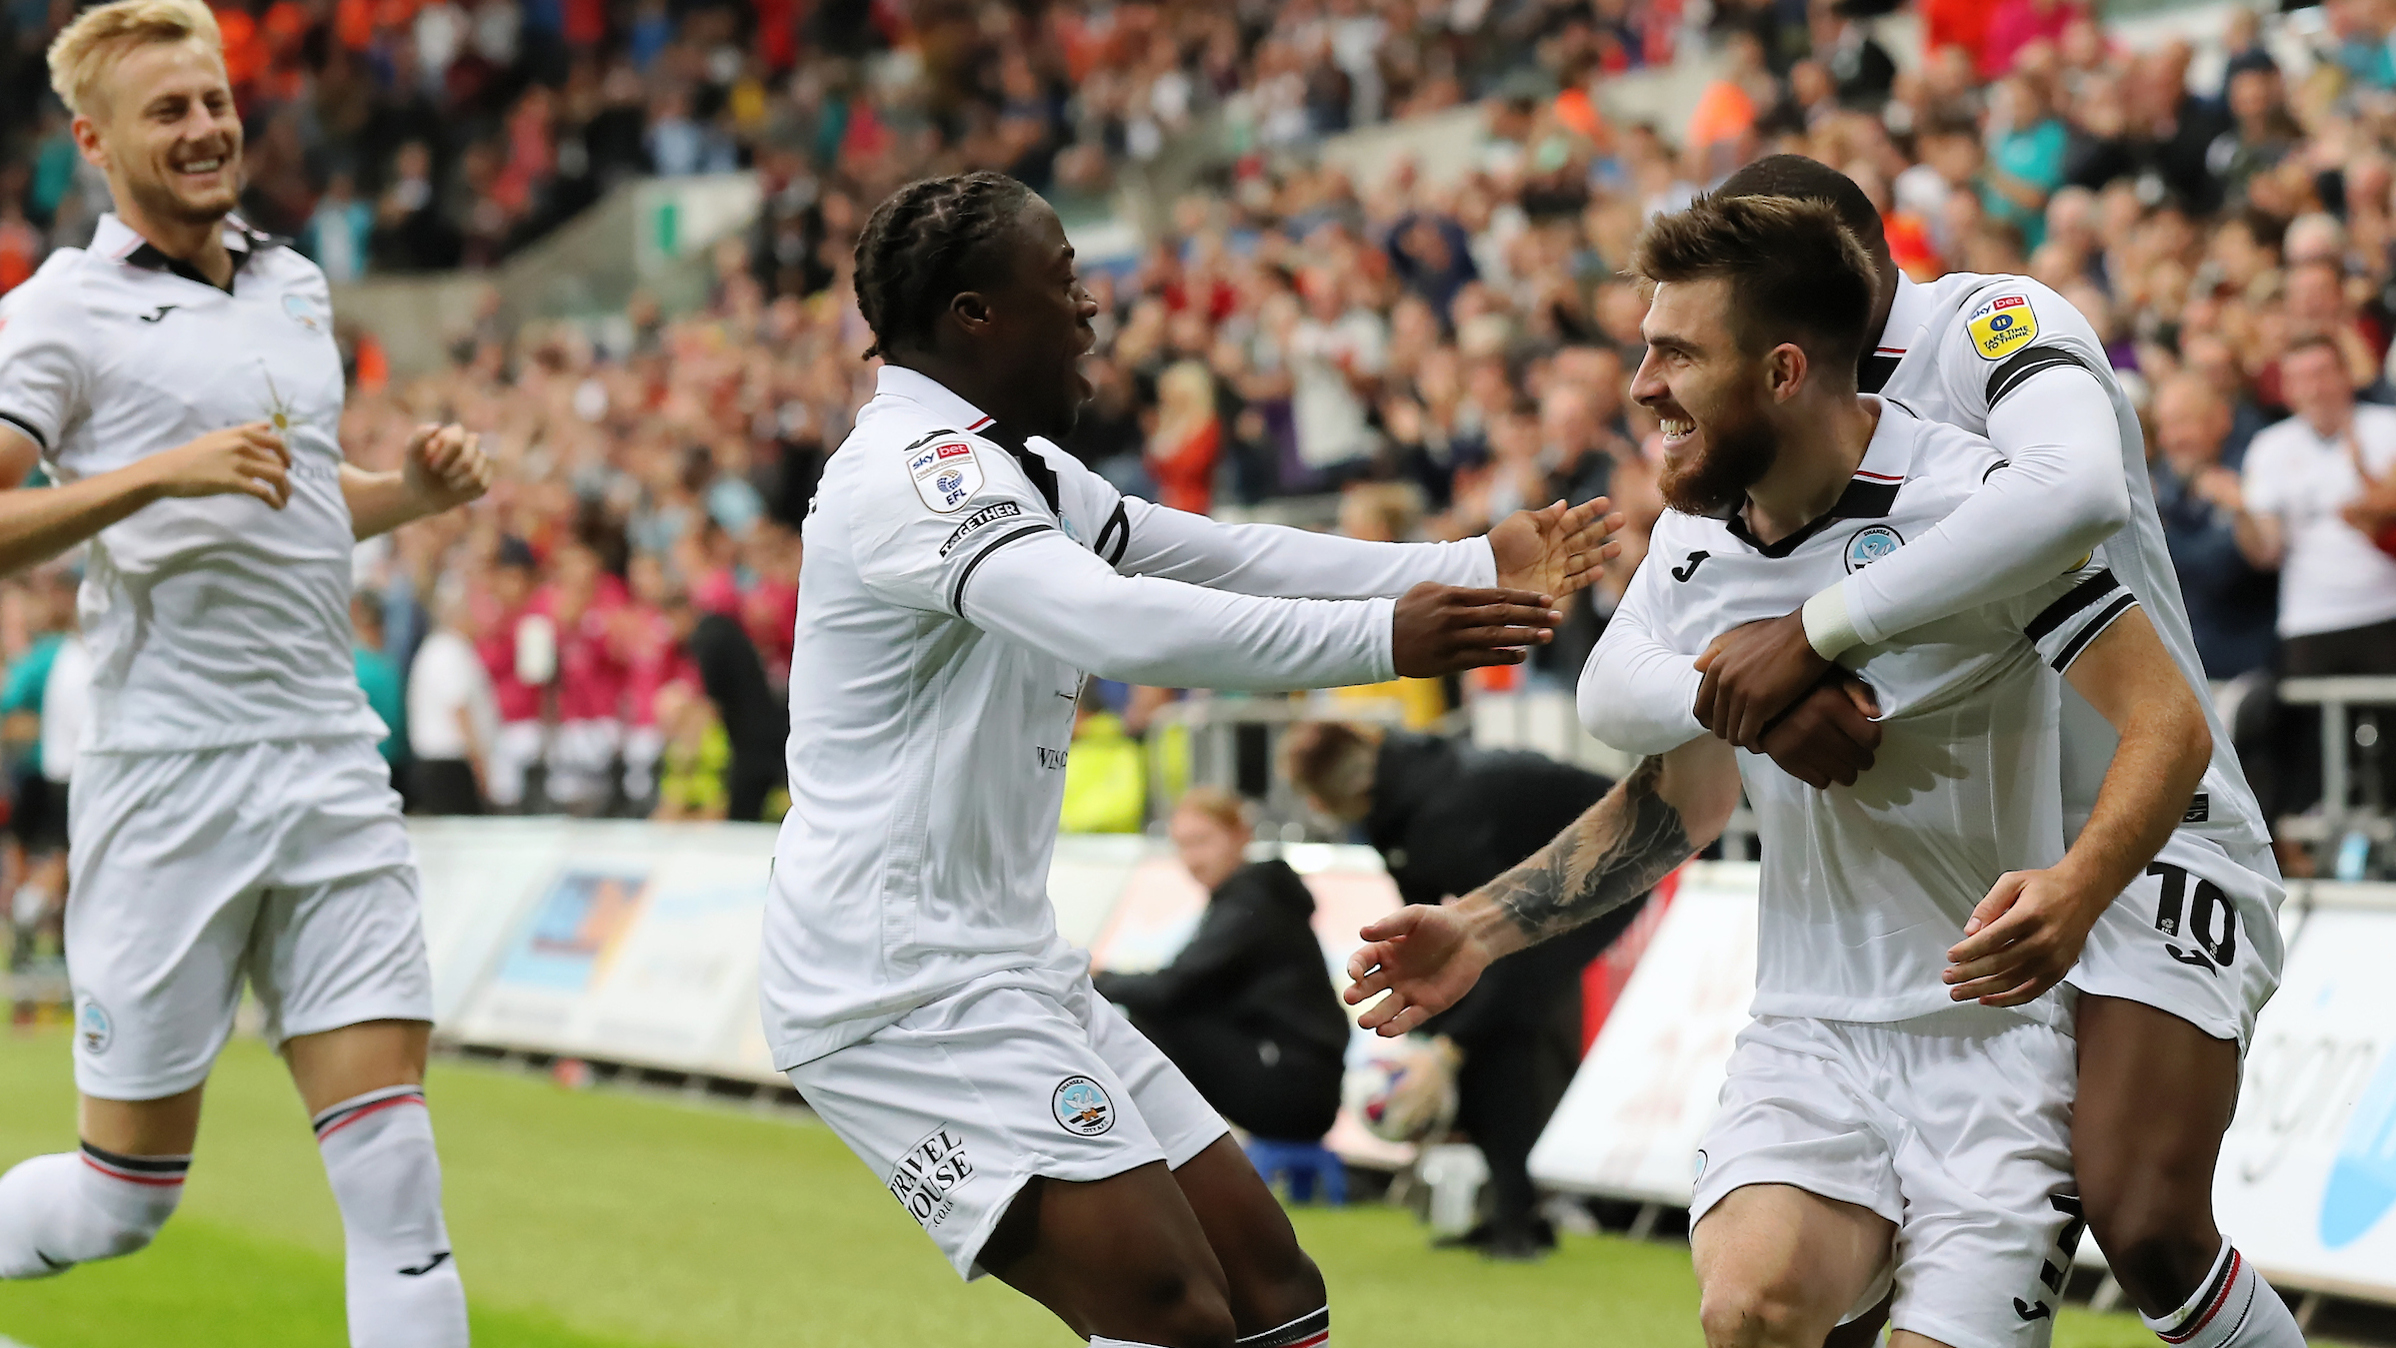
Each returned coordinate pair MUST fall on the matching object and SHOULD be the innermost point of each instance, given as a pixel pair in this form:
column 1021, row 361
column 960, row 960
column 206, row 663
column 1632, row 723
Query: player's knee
column 1174, row 1308
column 1304, row 1288
column 1760, row 1315
column 2161, row 1267
column 1278, row 1280
column 2159, row 1239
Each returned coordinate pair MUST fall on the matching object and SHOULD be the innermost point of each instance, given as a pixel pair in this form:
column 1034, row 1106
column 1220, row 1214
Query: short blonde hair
column 84, row 49
column 1224, row 807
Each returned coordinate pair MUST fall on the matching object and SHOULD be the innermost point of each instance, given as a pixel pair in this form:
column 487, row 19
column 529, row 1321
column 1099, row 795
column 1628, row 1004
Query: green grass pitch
column 603, row 1219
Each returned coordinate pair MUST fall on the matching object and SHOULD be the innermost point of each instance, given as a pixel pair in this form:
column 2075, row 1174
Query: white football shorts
column 284, row 862
column 1956, row 1127
column 2198, row 936
column 960, row 1102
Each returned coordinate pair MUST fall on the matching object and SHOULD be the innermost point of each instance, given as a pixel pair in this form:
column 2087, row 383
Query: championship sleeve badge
column 946, row 474
column 2002, row 326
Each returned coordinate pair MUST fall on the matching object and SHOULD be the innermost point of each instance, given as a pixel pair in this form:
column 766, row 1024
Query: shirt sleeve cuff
column 1482, row 565
column 1382, row 614
column 1828, row 627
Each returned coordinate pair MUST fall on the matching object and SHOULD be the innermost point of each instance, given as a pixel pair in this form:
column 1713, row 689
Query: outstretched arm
column 1554, row 552
column 1051, row 594
column 2027, row 933
column 2061, row 493
column 1427, row 958
column 38, row 525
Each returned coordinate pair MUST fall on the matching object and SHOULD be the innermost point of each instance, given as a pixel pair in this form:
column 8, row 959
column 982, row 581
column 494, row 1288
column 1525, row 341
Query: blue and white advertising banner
column 2307, row 1183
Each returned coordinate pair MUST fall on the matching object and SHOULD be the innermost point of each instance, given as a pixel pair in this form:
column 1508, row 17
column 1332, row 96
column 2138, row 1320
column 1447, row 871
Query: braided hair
column 920, row 249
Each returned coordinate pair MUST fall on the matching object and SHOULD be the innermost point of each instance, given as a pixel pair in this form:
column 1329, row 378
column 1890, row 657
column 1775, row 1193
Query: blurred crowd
column 1410, row 356
column 401, row 135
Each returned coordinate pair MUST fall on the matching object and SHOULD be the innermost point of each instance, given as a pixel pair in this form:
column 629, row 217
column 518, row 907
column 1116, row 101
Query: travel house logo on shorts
column 2362, row 1180
column 1082, row 1107
column 928, row 1176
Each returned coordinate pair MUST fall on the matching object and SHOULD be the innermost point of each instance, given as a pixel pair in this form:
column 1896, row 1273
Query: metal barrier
column 2337, row 698
column 1214, row 722
column 1541, row 721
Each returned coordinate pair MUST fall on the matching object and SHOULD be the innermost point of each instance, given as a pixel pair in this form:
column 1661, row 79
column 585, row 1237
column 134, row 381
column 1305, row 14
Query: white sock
column 72, row 1207
column 1312, row 1330
column 1102, row 1341
column 404, row 1290
column 2234, row 1308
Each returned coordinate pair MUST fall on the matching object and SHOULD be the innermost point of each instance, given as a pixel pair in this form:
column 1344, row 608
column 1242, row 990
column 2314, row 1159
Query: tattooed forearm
column 1613, row 853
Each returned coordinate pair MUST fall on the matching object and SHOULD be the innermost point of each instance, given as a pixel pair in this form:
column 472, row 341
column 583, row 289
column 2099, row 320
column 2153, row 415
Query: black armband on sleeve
column 40, row 441
column 2078, row 597
column 1118, row 529
column 2026, row 362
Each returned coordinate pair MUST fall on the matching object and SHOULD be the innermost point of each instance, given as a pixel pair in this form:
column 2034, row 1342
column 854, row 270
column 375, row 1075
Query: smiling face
column 1037, row 320
column 165, row 131
column 1709, row 395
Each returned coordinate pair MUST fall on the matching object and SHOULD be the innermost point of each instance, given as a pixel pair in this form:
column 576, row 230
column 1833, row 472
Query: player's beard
column 160, row 201
column 1735, row 456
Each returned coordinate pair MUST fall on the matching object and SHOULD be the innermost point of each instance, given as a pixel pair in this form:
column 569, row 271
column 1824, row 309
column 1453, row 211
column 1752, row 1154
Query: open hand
column 1425, row 958
column 445, row 467
column 250, row 460
column 1554, row 551
column 1830, row 735
column 1439, row 629
column 2022, row 939
column 1753, row 674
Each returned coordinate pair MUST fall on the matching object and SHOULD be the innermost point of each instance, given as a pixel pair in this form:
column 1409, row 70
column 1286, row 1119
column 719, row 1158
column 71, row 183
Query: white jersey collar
column 1909, row 313
column 1870, row 494
column 117, row 241
column 897, row 381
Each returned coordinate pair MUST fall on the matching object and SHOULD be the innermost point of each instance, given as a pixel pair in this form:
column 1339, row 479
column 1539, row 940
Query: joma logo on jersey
column 928, row 1176
column 2001, row 325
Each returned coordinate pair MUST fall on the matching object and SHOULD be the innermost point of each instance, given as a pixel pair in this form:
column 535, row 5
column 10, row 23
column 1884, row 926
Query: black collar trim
column 1044, row 478
column 1864, row 499
column 147, row 257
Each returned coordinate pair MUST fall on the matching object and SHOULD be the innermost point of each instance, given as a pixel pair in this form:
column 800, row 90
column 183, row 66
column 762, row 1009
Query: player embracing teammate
column 2172, row 975
column 1933, row 589
column 230, row 820
column 962, row 576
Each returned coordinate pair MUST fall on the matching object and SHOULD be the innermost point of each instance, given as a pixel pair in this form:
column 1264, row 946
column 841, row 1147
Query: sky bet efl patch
column 946, row 474
column 2002, row 326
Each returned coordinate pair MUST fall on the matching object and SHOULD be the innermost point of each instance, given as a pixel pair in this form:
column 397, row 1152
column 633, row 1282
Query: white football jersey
column 1866, row 887
column 930, row 721
column 218, row 620
column 1964, row 343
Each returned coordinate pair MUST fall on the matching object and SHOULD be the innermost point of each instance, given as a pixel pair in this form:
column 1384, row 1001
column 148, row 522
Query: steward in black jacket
column 1448, row 818
column 1247, row 1010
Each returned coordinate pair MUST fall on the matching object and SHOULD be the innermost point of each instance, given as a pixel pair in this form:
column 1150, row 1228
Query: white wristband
column 1827, row 627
